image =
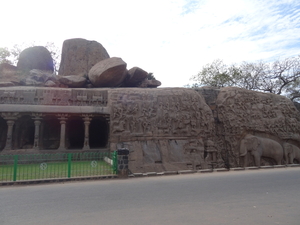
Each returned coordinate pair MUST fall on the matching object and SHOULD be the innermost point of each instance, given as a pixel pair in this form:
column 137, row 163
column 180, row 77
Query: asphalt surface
column 265, row 196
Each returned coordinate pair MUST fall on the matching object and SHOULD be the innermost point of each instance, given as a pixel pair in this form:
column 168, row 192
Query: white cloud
column 172, row 39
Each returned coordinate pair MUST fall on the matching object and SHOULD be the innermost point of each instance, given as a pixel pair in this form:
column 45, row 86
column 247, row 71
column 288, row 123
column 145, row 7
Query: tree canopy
column 280, row 77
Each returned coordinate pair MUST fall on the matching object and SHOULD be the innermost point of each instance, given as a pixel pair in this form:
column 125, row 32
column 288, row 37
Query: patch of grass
column 47, row 170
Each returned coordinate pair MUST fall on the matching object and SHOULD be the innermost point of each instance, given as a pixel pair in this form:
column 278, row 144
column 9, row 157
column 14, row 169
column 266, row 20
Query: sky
column 173, row 39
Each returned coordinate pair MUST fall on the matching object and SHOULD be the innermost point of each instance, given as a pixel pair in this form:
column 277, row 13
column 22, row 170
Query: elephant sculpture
column 260, row 147
column 291, row 152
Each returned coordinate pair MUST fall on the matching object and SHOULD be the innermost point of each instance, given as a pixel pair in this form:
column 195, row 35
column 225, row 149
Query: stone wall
column 165, row 129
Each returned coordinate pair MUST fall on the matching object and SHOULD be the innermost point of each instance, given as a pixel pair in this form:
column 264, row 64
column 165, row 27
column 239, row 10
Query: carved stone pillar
column 63, row 120
column 37, row 122
column 10, row 120
column 87, row 120
column 10, row 125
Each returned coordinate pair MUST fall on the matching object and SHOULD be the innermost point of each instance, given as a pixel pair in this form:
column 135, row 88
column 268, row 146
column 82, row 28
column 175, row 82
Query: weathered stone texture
column 167, row 129
column 169, row 126
column 37, row 57
column 108, row 73
column 134, row 77
column 72, row 81
column 80, row 55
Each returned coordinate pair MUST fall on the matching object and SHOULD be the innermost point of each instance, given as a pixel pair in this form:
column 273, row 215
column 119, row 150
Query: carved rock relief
column 53, row 96
column 171, row 128
column 241, row 112
column 160, row 113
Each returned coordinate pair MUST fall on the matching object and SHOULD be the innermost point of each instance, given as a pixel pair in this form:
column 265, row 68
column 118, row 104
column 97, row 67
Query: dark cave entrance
column 23, row 134
column 98, row 132
column 50, row 133
column 75, row 133
column 3, row 133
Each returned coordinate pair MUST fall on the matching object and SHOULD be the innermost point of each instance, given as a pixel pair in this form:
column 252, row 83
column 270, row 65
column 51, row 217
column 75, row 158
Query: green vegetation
column 48, row 170
column 280, row 77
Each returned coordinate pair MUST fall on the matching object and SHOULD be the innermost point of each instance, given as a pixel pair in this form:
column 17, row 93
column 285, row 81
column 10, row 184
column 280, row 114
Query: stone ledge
column 170, row 172
column 151, row 174
column 221, row 170
column 279, row 166
column 205, row 171
column 252, row 168
column 137, row 174
column 267, row 167
column 186, row 171
column 293, row 165
column 238, row 169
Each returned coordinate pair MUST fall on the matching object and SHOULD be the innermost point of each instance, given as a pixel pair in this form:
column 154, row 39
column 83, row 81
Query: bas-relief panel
column 160, row 113
column 241, row 112
column 53, row 96
column 178, row 121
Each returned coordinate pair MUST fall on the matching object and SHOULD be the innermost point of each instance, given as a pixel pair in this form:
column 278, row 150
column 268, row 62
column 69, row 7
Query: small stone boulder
column 134, row 77
column 79, row 56
column 37, row 57
column 72, row 81
column 108, row 73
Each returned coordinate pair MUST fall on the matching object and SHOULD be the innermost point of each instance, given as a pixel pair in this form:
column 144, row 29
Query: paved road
column 243, row 197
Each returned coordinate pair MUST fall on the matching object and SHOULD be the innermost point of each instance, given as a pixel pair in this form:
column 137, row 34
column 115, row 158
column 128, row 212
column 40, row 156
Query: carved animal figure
column 260, row 147
column 291, row 152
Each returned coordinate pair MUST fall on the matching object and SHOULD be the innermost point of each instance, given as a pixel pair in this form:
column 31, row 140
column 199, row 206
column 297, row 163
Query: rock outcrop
column 72, row 81
column 165, row 129
column 134, row 77
column 37, row 57
column 79, row 56
column 108, row 73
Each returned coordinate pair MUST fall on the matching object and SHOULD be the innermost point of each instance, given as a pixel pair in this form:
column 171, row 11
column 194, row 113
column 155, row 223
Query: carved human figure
column 260, row 147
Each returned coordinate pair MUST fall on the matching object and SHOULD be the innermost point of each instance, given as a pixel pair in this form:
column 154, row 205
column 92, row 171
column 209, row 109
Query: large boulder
column 80, row 55
column 108, row 73
column 134, row 77
column 37, row 57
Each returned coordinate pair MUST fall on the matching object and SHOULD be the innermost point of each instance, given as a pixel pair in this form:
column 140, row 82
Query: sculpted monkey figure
column 260, row 147
column 291, row 152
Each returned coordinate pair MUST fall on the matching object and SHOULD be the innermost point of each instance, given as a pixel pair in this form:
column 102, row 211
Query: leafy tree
column 4, row 55
column 279, row 77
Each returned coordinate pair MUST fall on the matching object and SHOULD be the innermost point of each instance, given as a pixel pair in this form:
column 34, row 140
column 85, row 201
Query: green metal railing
column 57, row 165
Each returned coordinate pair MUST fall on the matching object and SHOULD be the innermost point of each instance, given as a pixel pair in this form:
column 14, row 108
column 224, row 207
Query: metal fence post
column 15, row 167
column 69, row 164
column 115, row 162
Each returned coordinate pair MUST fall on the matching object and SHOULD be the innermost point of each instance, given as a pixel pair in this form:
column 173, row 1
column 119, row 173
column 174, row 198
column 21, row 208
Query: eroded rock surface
column 108, row 73
column 80, row 55
column 134, row 77
column 165, row 129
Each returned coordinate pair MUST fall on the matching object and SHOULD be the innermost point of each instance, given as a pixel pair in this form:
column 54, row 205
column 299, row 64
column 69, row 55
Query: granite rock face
column 134, row 77
column 165, row 129
column 182, row 129
column 37, row 57
column 79, row 56
column 108, row 73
